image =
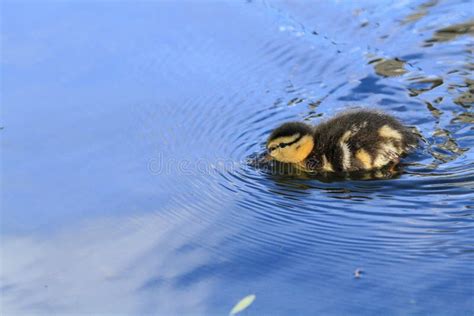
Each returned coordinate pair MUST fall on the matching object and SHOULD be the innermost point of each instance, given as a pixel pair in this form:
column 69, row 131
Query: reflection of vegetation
column 451, row 32
column 467, row 98
column 421, row 12
column 295, row 101
column 389, row 67
column 464, row 118
column 418, row 86
column 414, row 17
column 433, row 110
column 447, row 149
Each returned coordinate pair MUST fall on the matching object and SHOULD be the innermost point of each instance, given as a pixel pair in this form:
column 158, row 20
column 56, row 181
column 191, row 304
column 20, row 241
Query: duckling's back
column 361, row 140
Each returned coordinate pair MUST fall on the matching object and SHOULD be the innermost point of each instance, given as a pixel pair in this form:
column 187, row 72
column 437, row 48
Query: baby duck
column 351, row 141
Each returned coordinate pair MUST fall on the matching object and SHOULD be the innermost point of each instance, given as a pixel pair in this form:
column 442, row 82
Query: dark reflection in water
column 389, row 67
column 466, row 99
column 126, row 139
column 276, row 170
column 451, row 32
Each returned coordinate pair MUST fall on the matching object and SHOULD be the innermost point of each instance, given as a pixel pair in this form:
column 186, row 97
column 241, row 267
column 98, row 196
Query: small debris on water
column 243, row 304
column 358, row 273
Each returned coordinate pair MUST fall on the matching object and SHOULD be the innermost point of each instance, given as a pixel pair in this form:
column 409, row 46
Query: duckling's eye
column 272, row 148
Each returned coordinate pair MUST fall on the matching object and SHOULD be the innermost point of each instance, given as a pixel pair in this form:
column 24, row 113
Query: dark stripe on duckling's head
column 283, row 141
column 290, row 132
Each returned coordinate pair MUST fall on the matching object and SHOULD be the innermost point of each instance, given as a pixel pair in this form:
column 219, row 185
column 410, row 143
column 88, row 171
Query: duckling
column 351, row 141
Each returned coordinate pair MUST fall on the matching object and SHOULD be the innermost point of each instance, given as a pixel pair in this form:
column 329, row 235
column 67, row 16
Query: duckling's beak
column 267, row 157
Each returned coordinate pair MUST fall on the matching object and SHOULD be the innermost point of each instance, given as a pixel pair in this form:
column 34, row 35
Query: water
column 126, row 132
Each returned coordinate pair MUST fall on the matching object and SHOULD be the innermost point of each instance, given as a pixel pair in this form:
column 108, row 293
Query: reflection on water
column 127, row 187
column 466, row 99
column 451, row 32
column 126, row 265
column 389, row 68
column 274, row 169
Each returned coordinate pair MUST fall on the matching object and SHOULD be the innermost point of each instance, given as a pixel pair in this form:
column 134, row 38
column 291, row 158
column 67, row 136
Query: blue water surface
column 126, row 130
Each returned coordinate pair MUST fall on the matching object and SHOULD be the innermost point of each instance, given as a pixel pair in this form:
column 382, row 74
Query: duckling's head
column 291, row 142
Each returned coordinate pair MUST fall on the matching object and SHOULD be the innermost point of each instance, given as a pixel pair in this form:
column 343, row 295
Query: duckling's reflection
column 278, row 170
column 293, row 183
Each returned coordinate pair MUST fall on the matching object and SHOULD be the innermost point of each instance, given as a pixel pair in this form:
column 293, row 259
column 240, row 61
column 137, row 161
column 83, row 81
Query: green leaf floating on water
column 243, row 304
